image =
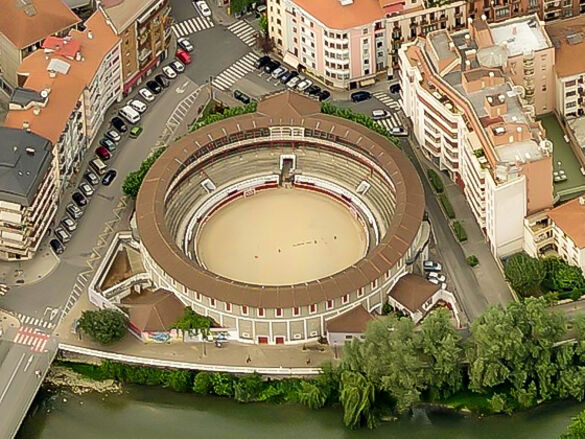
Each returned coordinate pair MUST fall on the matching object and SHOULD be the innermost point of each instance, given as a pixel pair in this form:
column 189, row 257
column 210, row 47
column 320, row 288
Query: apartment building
column 144, row 26
column 28, row 192
column 348, row 43
column 472, row 99
column 558, row 232
column 24, row 24
column 548, row 10
column 76, row 78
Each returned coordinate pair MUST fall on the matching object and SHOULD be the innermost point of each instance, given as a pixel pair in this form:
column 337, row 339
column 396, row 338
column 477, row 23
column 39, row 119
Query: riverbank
column 78, row 383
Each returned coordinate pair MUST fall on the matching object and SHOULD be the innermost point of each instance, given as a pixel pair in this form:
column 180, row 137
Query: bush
column 460, row 232
column 105, row 326
column 223, row 384
column 472, row 260
column 225, row 114
column 436, row 181
column 134, row 179
column 248, row 388
column 202, row 383
column 193, row 322
column 447, row 207
column 525, row 274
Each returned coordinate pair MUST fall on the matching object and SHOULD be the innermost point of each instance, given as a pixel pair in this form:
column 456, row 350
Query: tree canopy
column 525, row 274
column 105, row 326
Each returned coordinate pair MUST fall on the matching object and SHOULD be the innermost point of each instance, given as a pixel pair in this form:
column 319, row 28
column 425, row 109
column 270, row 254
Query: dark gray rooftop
column 24, row 160
column 24, row 96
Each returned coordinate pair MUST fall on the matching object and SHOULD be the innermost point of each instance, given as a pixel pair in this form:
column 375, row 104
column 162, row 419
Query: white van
column 98, row 166
column 129, row 113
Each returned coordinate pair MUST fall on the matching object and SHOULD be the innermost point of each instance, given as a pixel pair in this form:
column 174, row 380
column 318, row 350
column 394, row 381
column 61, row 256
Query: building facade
column 29, row 187
column 548, row 10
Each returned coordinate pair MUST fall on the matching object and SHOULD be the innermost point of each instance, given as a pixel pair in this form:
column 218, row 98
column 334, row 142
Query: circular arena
column 275, row 222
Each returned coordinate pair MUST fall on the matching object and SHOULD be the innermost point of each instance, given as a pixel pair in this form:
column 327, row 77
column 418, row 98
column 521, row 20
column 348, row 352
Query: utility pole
column 210, row 87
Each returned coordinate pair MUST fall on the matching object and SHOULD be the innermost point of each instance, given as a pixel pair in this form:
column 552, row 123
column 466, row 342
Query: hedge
column 460, row 232
column 472, row 260
column 436, row 181
column 447, row 207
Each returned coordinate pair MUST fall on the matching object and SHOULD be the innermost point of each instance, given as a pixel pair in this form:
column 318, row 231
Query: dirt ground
column 281, row 237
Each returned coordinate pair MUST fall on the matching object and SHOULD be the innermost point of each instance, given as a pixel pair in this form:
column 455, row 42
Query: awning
column 290, row 60
column 367, row 82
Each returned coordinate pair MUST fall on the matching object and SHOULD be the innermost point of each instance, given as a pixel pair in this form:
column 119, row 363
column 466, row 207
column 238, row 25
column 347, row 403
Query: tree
column 105, row 326
column 525, row 274
column 576, row 429
column 561, row 276
column 238, row 6
column 357, row 396
column 263, row 23
column 178, row 380
column 202, row 383
column 222, row 383
column 248, row 388
column 134, row 179
column 193, row 322
column 311, row 395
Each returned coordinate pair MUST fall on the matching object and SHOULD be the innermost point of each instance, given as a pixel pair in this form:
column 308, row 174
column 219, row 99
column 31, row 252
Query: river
column 154, row 413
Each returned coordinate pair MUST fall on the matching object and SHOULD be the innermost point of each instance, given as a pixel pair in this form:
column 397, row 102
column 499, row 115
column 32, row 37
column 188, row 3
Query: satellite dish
column 44, row 94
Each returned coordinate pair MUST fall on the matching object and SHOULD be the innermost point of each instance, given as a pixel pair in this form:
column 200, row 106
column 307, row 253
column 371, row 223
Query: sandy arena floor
column 281, row 237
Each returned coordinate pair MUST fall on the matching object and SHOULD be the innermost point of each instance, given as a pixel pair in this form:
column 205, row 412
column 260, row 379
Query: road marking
column 235, row 72
column 28, row 362
column 245, row 32
column 30, row 320
column 32, row 337
column 11, row 378
column 387, row 100
column 191, row 26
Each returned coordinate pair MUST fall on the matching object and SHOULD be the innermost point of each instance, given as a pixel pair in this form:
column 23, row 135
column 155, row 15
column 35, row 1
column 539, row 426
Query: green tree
column 263, row 23
column 222, row 383
column 357, row 396
column 202, row 383
column 248, row 388
column 178, row 380
column 576, row 429
column 525, row 274
column 311, row 395
column 133, row 180
column 193, row 322
column 105, row 326
column 561, row 276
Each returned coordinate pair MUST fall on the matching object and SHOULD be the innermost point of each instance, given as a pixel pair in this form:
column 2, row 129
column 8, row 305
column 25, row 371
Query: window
column 212, row 302
column 329, row 304
column 360, row 292
column 345, row 299
column 260, row 312
column 198, row 296
column 313, row 308
column 278, row 312
column 365, row 31
column 228, row 306
column 244, row 310
column 544, row 87
column 296, row 311
column 374, row 283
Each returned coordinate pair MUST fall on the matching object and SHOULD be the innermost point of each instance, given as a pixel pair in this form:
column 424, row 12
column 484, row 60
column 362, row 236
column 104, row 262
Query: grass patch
column 90, row 371
column 460, row 232
column 436, row 181
column 447, row 206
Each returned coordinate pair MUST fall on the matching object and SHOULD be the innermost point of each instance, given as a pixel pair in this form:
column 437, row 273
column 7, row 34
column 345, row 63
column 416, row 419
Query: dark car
column 79, row 199
column 119, row 124
column 290, row 75
column 108, row 144
column 262, row 61
column 103, row 153
column 74, row 211
column 154, row 87
column 359, row 96
column 395, row 88
column 271, row 66
column 57, row 247
column 91, row 178
column 313, row 90
column 162, row 81
column 324, row 95
column 109, row 177
column 242, row 97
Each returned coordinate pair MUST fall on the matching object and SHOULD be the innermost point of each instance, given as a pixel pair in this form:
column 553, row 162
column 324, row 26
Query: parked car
column 399, row 132
column 304, row 84
column 86, row 189
column 177, row 66
column 135, row 131
column 79, row 199
column 260, row 10
column 432, row 266
column 313, row 90
column 119, row 124
column 98, row 166
column 63, row 235
column 278, row 72
column 57, row 247
column 394, row 88
column 69, row 224
column 203, row 8
column 183, row 56
column 113, row 135
column 154, row 87
column 262, row 61
column 146, row 94
column 91, row 178
column 380, row 114
column 162, row 81
column 293, row 82
column 169, row 72
column 242, row 97
column 103, row 153
column 185, row 44
column 74, row 211
column 138, row 105
column 359, row 96
column 436, row 275
column 324, row 95
column 290, row 75
column 109, row 177
column 129, row 113
column 108, row 144
column 271, row 66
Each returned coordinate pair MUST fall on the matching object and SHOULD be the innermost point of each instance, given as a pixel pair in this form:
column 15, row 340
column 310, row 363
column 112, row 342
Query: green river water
column 153, row 413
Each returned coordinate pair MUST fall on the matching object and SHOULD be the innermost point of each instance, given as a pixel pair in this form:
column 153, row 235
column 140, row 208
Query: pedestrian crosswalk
column 181, row 111
column 30, row 320
column 235, row 72
column 387, row 100
column 392, row 121
column 188, row 27
column 244, row 32
column 32, row 337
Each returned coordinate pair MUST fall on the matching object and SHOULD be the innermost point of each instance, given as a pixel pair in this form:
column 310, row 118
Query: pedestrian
column 248, row 359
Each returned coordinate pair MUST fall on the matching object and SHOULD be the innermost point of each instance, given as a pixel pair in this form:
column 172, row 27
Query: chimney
column 25, row 124
column 77, row 56
column 52, row 74
column 451, row 46
column 36, row 111
column 30, row 151
column 582, row 201
column 90, row 35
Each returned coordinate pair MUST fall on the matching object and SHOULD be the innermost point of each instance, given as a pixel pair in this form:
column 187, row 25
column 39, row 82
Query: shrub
column 436, row 181
column 134, row 179
column 193, row 322
column 447, row 206
column 525, row 274
column 460, row 232
column 202, row 383
column 248, row 388
column 223, row 384
column 228, row 112
column 472, row 260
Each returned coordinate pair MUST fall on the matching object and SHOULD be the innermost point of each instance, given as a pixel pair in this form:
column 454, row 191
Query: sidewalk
column 29, row 271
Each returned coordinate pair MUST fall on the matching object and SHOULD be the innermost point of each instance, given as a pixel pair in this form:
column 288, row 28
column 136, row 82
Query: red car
column 103, row 153
column 183, row 56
